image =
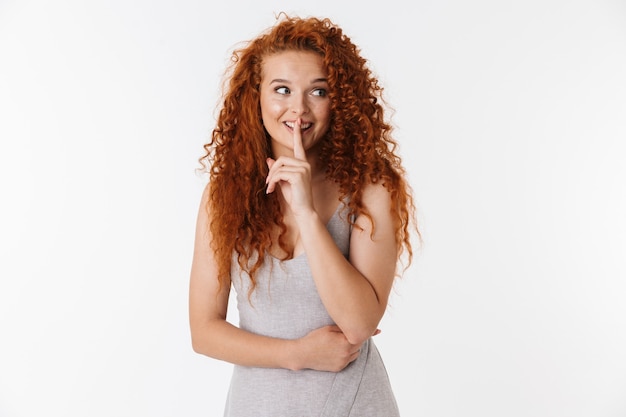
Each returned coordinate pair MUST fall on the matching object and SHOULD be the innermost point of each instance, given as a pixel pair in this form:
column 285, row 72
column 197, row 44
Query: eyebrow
column 283, row 81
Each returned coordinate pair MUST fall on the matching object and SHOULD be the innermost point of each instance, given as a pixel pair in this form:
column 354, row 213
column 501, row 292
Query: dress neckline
column 302, row 254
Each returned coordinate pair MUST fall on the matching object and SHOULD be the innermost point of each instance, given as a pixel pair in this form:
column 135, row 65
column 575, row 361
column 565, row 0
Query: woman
column 306, row 215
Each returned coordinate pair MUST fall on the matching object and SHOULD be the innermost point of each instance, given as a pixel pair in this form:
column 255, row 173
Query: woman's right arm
column 212, row 335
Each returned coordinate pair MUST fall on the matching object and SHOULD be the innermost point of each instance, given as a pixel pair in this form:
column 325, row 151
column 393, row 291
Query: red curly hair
column 358, row 147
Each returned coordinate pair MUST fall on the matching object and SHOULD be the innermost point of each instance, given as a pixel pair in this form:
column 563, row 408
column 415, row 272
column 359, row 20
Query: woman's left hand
column 292, row 176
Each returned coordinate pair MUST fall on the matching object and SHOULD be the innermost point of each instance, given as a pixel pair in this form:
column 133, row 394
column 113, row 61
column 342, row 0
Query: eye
column 282, row 90
column 321, row 92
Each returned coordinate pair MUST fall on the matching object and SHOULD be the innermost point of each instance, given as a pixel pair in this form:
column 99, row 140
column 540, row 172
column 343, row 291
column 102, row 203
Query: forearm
column 348, row 296
column 221, row 340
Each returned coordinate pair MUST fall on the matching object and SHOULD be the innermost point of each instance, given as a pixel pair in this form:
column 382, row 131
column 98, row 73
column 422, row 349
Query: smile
column 303, row 126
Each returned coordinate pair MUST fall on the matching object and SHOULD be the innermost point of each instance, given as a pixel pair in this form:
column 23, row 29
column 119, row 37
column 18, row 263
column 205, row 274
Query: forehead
column 293, row 64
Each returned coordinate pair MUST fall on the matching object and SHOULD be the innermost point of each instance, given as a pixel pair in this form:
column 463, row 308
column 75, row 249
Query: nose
column 299, row 104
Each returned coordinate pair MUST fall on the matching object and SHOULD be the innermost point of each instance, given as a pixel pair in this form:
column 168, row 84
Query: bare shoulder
column 376, row 194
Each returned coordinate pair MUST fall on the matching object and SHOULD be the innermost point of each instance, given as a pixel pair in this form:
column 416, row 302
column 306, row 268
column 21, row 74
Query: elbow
column 203, row 347
column 195, row 344
column 363, row 328
column 204, row 339
column 200, row 342
column 358, row 336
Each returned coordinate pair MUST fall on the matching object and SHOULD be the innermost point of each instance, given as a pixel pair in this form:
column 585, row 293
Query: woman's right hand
column 325, row 349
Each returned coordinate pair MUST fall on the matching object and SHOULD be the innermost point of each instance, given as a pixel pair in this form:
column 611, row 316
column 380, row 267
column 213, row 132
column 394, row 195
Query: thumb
column 270, row 162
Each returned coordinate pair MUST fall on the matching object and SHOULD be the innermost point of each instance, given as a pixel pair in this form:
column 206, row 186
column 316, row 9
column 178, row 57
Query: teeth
column 303, row 126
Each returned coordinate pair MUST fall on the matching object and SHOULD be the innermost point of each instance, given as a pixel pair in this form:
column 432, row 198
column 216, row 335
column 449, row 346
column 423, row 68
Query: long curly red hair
column 358, row 147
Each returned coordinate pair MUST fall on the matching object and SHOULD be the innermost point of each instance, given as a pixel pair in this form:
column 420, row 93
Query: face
column 294, row 85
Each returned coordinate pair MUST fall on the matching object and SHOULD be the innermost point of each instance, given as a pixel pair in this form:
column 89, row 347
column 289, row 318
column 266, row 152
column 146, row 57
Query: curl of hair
column 358, row 147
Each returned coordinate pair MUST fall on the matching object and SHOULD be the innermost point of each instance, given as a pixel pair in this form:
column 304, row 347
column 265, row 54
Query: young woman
column 306, row 215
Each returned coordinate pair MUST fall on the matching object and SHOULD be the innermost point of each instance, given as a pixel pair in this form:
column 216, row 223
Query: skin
column 354, row 290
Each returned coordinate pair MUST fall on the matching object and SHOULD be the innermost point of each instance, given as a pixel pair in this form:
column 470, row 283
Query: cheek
column 270, row 109
column 323, row 113
column 266, row 104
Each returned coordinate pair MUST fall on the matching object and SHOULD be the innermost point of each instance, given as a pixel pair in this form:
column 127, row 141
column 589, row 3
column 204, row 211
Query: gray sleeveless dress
column 285, row 304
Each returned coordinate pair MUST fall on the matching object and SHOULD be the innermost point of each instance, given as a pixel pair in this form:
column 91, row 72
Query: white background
column 511, row 118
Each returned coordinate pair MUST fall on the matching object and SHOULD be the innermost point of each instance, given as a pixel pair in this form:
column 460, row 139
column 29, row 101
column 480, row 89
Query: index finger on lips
column 298, row 148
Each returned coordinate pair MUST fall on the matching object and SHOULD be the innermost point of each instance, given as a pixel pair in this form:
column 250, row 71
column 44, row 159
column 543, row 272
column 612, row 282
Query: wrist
column 307, row 219
column 293, row 358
